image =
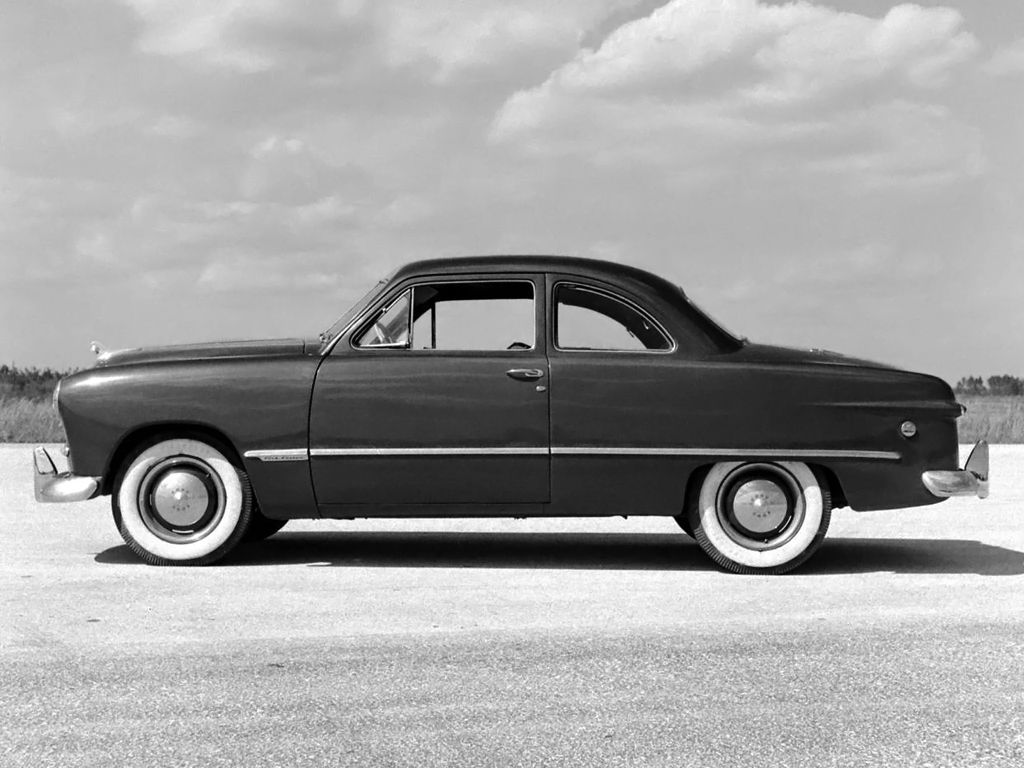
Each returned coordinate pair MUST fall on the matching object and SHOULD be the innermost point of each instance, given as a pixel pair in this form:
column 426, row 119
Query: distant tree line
column 29, row 383
column 994, row 385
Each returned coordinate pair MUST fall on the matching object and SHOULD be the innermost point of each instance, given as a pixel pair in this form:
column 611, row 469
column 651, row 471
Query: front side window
column 389, row 329
column 485, row 315
column 459, row 316
column 592, row 319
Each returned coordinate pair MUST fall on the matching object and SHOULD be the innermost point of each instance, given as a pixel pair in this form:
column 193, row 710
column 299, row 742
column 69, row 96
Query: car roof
column 646, row 283
column 597, row 268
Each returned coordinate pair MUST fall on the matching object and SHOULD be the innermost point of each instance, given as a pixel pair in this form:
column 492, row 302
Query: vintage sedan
column 505, row 387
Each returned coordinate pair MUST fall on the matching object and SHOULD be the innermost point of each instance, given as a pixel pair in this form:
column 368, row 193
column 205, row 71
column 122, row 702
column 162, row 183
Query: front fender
column 253, row 404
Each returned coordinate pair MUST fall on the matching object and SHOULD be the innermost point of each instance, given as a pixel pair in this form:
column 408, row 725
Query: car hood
column 211, row 350
column 771, row 355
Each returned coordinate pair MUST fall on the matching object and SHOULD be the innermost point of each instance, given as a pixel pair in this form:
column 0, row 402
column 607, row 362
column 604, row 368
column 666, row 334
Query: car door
column 617, row 383
column 439, row 396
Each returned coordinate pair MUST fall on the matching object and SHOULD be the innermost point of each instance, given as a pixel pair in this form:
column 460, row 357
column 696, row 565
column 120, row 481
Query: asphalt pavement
column 504, row 643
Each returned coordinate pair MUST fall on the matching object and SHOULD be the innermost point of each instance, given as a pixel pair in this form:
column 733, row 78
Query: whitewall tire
column 761, row 517
column 181, row 501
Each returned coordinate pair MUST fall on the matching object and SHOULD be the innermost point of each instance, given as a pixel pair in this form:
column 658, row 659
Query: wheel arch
column 835, row 487
column 698, row 473
column 693, row 484
column 140, row 435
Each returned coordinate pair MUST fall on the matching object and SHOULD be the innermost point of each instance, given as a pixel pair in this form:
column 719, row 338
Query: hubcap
column 181, row 498
column 760, row 505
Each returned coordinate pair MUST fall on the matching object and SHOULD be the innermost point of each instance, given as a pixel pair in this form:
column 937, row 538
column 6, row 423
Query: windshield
column 355, row 311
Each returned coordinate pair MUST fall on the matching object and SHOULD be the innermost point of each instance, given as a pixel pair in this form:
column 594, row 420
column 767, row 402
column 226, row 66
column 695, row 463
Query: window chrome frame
column 372, row 320
column 614, row 296
column 347, row 330
column 359, row 325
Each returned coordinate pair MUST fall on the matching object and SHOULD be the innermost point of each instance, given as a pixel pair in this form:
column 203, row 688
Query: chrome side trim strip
column 280, row 454
column 760, row 453
column 320, row 452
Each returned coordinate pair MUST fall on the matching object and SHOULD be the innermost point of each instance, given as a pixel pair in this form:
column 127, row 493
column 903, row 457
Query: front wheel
column 261, row 527
column 761, row 517
column 181, row 502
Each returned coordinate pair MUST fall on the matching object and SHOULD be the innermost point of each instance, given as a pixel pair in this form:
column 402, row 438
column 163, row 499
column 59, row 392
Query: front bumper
column 52, row 487
column 972, row 480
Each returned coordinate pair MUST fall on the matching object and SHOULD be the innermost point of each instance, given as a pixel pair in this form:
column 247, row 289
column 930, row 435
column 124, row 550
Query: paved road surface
column 506, row 643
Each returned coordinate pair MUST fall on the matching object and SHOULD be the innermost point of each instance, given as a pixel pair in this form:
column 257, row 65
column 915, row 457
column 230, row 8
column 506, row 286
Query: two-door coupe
column 505, row 386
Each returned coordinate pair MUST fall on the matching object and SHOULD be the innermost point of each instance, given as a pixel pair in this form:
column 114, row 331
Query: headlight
column 908, row 429
column 56, row 394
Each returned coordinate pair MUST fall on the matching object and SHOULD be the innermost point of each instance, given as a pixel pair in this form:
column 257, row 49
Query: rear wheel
column 761, row 517
column 181, row 501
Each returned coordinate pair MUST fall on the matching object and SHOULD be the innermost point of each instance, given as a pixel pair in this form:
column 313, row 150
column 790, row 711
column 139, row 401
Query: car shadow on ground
column 674, row 552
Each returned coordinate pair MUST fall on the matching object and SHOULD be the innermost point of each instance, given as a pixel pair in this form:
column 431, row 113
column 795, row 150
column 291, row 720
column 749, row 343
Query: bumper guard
column 54, row 488
column 972, row 480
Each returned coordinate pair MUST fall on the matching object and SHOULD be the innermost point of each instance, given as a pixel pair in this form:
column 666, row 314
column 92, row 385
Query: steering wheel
column 518, row 345
column 382, row 334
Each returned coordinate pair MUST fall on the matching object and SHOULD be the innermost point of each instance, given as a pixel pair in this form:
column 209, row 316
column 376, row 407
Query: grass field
column 29, row 421
column 992, row 418
column 25, row 412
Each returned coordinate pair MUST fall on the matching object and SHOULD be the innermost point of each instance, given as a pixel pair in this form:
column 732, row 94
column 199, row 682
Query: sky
column 846, row 174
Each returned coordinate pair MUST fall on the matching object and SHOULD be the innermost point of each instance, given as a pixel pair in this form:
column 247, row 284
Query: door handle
column 525, row 374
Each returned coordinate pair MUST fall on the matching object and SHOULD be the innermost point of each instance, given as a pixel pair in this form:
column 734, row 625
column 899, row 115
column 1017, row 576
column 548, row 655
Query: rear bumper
column 51, row 487
column 972, row 480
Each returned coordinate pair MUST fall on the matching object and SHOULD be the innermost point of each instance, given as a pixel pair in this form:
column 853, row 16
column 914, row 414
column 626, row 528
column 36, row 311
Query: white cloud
column 247, row 36
column 75, row 121
column 911, row 145
column 404, row 211
column 233, row 270
column 331, row 208
column 698, row 79
column 798, row 49
column 1008, row 60
column 175, row 127
column 826, row 51
column 449, row 36
column 94, row 246
column 200, row 31
column 285, row 169
column 454, row 36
